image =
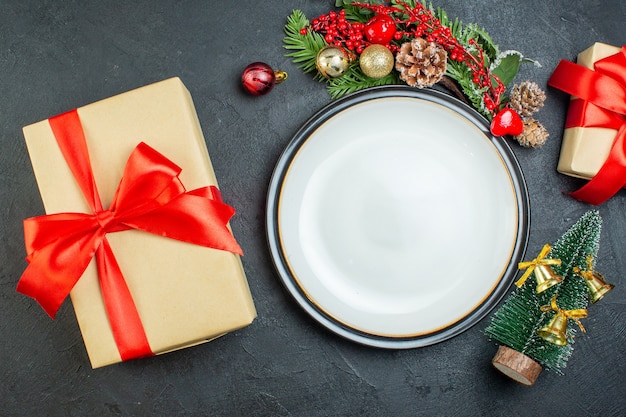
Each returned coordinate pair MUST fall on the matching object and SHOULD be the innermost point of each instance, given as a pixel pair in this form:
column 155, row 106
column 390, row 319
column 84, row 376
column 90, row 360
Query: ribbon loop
column 150, row 197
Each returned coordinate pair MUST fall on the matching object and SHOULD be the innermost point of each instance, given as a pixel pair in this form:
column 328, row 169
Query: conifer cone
column 534, row 134
column 421, row 63
column 527, row 98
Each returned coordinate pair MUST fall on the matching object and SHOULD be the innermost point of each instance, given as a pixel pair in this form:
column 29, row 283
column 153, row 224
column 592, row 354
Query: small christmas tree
column 532, row 324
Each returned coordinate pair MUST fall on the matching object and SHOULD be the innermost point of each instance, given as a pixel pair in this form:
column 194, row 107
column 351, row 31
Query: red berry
column 507, row 122
column 380, row 29
column 258, row 78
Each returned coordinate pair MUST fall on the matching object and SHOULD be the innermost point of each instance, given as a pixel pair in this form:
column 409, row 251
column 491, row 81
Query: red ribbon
column 601, row 102
column 150, row 197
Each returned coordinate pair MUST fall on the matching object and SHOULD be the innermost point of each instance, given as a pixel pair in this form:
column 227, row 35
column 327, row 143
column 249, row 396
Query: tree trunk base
column 516, row 365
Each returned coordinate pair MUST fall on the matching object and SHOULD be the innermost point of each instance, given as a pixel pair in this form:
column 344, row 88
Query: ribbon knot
column 105, row 218
column 150, row 197
column 600, row 102
column 531, row 265
column 574, row 314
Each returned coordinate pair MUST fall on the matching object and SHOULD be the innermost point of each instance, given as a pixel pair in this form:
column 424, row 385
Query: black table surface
column 55, row 56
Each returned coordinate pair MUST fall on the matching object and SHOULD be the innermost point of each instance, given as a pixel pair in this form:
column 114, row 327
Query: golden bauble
column 376, row 61
column 332, row 61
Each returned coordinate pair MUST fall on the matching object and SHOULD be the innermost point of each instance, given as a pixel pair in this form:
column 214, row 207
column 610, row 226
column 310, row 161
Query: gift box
column 183, row 293
column 584, row 149
column 595, row 129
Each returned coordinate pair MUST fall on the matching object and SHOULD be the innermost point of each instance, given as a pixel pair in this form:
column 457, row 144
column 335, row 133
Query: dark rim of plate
column 302, row 135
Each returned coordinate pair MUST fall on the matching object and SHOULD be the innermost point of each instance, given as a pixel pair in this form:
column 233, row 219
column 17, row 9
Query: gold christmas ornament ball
column 332, row 61
column 376, row 61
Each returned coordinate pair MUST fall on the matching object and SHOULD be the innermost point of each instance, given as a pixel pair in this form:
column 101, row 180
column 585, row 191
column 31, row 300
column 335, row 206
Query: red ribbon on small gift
column 600, row 102
column 150, row 197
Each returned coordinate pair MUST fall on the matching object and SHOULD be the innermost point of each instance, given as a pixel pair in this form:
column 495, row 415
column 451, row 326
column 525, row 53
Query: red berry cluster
column 483, row 78
column 422, row 23
column 339, row 31
column 411, row 22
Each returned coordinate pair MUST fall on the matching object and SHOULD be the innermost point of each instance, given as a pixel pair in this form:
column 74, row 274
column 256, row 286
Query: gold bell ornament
column 596, row 283
column 555, row 331
column 540, row 266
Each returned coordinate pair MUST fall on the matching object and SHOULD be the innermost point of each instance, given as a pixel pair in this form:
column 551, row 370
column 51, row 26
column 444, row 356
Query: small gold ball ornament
column 332, row 61
column 376, row 61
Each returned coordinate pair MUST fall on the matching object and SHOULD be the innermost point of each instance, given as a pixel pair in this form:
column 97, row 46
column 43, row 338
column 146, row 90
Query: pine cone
column 527, row 98
column 534, row 134
column 421, row 63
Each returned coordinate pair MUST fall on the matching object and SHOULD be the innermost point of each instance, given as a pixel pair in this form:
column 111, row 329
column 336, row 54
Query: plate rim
column 280, row 172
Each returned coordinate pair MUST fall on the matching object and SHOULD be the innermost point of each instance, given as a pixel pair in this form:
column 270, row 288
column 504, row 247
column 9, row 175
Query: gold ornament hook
column 280, row 76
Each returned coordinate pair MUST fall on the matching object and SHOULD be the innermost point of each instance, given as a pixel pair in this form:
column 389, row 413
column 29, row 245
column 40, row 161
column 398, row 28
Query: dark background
column 58, row 55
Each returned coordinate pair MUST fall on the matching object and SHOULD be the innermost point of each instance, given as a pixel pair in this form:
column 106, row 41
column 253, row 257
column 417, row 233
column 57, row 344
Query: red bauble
column 259, row 78
column 507, row 122
column 380, row 29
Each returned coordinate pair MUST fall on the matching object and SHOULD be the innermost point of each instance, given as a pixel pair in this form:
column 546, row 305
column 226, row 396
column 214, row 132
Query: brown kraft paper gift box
column 185, row 294
column 584, row 149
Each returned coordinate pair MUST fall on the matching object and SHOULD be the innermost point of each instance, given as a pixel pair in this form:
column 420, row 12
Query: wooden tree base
column 516, row 365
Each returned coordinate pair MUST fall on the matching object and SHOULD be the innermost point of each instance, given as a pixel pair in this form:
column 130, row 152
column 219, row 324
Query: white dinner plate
column 395, row 218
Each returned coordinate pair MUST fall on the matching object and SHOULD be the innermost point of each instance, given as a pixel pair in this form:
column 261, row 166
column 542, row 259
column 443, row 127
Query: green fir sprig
column 354, row 80
column 502, row 66
column 303, row 47
column 354, row 13
column 516, row 322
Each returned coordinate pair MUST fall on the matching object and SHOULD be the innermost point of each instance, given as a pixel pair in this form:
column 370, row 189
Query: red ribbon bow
column 150, row 197
column 601, row 102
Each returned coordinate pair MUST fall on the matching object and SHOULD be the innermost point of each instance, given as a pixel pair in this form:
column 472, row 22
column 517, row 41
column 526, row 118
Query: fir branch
column 463, row 76
column 455, row 26
column 354, row 80
column 304, row 48
column 403, row 4
column 459, row 71
column 355, row 13
column 480, row 35
column 481, row 61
